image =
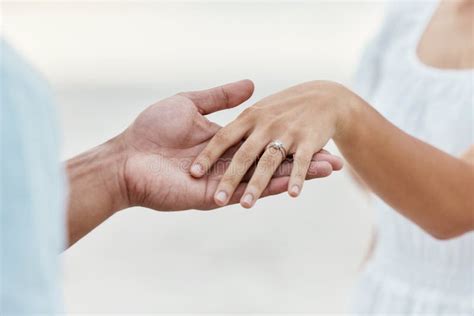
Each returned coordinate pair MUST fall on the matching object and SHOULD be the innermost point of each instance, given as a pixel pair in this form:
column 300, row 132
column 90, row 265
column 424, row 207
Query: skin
column 305, row 117
column 448, row 41
column 148, row 164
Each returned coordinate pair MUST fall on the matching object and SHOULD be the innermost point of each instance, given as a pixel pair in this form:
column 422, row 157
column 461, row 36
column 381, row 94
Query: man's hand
column 166, row 138
column 148, row 164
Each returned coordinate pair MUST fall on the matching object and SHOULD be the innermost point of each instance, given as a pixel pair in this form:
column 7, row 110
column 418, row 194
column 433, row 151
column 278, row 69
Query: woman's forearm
column 430, row 187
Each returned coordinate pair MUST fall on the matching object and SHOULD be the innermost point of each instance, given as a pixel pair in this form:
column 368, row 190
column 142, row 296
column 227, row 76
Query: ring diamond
column 278, row 145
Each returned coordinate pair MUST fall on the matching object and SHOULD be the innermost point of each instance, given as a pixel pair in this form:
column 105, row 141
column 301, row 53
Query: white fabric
column 411, row 272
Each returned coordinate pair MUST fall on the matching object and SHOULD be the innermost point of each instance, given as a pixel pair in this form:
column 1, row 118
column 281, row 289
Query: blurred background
column 107, row 60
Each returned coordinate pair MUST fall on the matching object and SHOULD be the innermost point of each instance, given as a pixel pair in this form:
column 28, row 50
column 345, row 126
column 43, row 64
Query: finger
column 335, row 161
column 224, row 139
column 276, row 186
column 222, row 97
column 319, row 169
column 301, row 162
column 241, row 162
column 266, row 166
column 280, row 184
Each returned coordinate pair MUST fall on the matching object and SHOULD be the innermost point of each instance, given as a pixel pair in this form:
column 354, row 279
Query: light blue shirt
column 32, row 192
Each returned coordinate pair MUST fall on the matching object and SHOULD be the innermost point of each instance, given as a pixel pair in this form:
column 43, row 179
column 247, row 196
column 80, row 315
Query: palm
column 166, row 138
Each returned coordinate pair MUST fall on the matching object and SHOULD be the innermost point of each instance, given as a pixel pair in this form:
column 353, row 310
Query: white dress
column 410, row 272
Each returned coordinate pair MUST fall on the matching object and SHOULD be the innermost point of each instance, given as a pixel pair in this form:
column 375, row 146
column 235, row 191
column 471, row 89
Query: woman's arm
column 430, row 187
column 433, row 189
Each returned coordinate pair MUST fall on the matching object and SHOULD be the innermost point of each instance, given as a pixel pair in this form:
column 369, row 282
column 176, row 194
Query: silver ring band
column 278, row 145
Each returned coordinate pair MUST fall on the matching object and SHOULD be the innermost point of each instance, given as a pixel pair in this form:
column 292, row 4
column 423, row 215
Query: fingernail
column 197, row 169
column 295, row 190
column 221, row 197
column 247, row 200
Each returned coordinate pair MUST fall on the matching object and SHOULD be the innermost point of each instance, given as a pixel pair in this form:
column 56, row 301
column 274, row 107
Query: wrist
column 96, row 187
column 339, row 104
column 98, row 175
column 348, row 111
column 113, row 161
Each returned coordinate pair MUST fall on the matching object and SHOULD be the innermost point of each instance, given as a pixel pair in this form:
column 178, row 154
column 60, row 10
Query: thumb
column 222, row 97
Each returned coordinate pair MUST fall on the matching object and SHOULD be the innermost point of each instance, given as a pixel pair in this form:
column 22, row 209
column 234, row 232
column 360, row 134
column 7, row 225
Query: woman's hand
column 426, row 185
column 303, row 118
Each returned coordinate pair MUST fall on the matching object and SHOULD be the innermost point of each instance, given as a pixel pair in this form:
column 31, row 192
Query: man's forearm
column 97, row 189
column 423, row 183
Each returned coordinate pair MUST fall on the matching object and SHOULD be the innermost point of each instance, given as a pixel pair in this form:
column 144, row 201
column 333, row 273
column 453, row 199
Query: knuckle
column 263, row 174
column 205, row 157
column 224, row 96
column 245, row 157
column 238, row 167
column 268, row 128
column 230, row 179
column 259, row 184
column 313, row 169
column 267, row 162
column 304, row 154
column 247, row 112
column 256, row 188
column 301, row 165
column 188, row 95
column 222, row 136
column 253, row 189
column 301, row 160
column 299, row 174
column 293, row 130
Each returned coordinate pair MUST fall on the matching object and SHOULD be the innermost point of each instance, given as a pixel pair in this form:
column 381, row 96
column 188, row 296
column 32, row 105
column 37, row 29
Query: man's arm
column 96, row 188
